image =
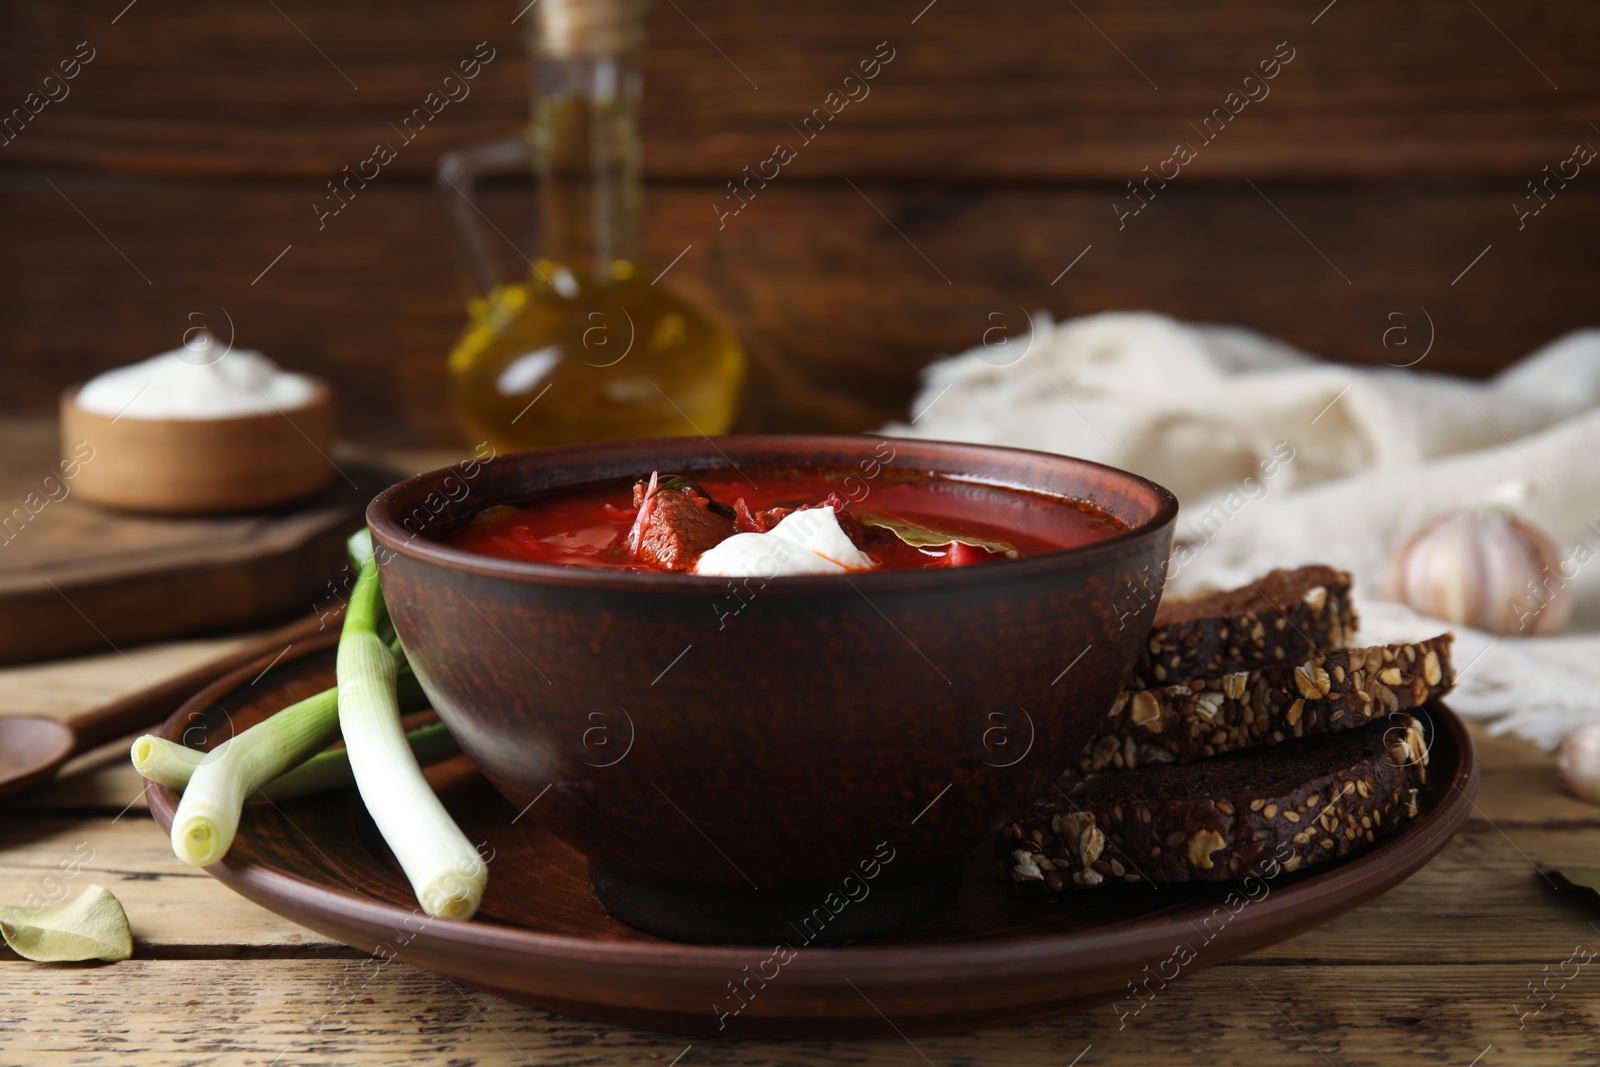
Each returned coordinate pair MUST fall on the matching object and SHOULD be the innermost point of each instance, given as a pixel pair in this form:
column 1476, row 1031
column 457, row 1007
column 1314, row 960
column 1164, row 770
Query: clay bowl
column 810, row 767
column 199, row 466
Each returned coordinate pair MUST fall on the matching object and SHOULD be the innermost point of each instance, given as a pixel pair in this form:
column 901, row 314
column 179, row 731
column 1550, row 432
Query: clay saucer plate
column 542, row 939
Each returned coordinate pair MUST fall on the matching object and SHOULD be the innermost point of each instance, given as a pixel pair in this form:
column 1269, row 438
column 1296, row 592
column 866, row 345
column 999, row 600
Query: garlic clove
column 1578, row 758
column 1483, row 568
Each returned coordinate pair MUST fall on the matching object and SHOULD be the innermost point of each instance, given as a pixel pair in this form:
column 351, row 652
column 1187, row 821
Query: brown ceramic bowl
column 811, row 768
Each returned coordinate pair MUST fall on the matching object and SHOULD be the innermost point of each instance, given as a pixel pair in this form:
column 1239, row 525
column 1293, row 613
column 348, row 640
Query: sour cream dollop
column 805, row 542
column 197, row 381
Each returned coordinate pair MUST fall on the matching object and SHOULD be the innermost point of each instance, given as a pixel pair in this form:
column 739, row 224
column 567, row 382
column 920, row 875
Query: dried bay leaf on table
column 1587, row 877
column 92, row 927
column 1584, row 879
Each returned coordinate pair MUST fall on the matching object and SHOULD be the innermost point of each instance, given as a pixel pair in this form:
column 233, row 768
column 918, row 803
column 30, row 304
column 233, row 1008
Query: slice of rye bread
column 1247, row 813
column 1247, row 709
column 1283, row 616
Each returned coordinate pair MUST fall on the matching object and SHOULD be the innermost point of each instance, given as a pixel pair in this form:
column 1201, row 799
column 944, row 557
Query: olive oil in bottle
column 590, row 344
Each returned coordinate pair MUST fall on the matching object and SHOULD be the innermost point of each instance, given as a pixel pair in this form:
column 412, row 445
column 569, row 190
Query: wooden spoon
column 33, row 748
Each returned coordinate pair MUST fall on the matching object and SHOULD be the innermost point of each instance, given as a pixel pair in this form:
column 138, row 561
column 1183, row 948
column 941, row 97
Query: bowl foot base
column 796, row 917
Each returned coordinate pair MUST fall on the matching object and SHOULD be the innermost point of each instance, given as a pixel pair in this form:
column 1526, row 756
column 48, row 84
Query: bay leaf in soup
column 917, row 535
column 92, row 927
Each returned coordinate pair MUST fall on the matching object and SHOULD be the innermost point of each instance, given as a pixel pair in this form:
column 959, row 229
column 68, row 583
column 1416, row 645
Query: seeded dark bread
column 1206, row 717
column 1283, row 616
column 1245, row 813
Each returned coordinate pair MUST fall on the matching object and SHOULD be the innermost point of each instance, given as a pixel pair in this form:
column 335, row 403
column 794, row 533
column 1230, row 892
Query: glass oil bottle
column 588, row 344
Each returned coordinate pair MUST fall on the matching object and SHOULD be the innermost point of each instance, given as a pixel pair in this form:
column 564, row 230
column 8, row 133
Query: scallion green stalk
column 171, row 764
column 208, row 813
column 445, row 872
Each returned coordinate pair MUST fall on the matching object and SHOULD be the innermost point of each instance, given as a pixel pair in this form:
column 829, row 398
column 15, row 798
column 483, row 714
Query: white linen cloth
column 1280, row 459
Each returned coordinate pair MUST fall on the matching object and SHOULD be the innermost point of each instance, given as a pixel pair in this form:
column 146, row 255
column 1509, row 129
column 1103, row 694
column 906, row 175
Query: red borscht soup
column 668, row 523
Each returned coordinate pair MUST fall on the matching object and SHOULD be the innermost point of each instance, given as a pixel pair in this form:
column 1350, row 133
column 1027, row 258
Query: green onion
column 171, row 764
column 208, row 813
column 445, row 872
column 166, row 762
column 207, row 818
column 359, row 546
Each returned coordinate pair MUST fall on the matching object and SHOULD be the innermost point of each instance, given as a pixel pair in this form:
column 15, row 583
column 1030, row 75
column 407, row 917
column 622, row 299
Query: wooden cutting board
column 77, row 578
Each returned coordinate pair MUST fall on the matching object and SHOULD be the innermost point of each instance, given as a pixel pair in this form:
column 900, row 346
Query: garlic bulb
column 1483, row 568
column 1579, row 760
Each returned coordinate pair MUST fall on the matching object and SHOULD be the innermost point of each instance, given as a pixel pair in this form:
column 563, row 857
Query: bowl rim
column 388, row 535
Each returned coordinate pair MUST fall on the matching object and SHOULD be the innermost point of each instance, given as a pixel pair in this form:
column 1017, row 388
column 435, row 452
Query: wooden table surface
column 1439, row 971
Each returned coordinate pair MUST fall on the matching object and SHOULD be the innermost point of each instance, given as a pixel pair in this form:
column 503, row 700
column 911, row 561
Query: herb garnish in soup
column 783, row 522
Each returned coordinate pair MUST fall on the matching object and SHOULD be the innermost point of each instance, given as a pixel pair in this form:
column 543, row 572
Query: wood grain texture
column 157, row 1012
column 1484, row 873
column 837, row 304
column 1011, row 89
column 63, row 688
column 996, row 142
column 218, row 979
column 76, row 578
column 1397, row 142
column 175, row 910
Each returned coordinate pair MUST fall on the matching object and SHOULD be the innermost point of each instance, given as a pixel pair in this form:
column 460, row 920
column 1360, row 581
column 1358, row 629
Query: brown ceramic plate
column 542, row 939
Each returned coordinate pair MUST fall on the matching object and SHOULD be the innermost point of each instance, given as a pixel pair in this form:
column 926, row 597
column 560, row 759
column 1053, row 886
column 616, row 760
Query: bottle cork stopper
column 590, row 27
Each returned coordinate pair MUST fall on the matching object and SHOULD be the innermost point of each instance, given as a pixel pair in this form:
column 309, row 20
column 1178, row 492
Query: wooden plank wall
column 1394, row 146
